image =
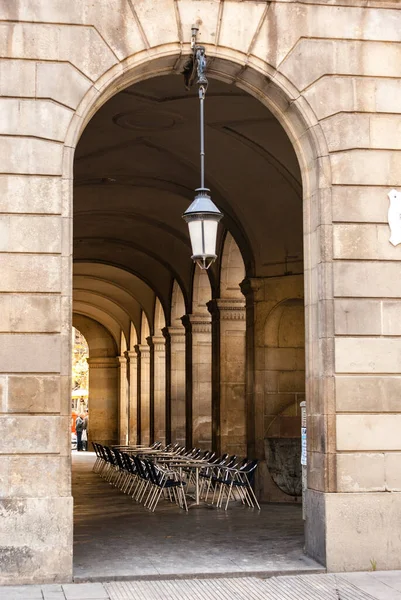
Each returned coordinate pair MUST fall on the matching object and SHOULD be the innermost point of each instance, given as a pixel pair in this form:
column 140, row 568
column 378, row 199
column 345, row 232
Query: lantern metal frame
column 202, row 208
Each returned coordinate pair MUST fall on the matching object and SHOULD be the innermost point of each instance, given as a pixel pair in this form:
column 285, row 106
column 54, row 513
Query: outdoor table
column 196, row 465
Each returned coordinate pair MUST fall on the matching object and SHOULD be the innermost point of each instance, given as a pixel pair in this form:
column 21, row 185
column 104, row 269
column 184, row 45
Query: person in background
column 79, row 427
column 85, row 432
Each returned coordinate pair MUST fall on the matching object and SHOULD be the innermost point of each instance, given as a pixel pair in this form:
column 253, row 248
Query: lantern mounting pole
column 202, row 215
column 196, row 69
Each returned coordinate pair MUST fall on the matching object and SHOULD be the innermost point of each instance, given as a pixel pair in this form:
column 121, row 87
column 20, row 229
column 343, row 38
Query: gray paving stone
column 24, row 592
column 85, row 591
column 390, row 578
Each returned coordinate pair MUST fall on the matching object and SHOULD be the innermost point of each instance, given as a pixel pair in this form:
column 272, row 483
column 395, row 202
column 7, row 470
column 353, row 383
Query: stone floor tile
column 24, row 592
column 85, row 591
column 53, row 595
column 390, row 578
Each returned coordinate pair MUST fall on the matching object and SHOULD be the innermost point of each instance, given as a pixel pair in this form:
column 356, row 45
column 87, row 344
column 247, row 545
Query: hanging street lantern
column 202, row 216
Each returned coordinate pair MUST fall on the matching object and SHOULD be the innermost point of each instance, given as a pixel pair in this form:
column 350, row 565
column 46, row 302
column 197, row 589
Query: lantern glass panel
column 210, row 235
column 195, row 233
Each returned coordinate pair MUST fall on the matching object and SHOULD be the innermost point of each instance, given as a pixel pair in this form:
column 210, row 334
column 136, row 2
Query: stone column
column 177, row 355
column 229, row 315
column 133, row 397
column 103, row 400
column 159, row 383
column 200, row 327
column 144, row 396
column 254, row 403
column 123, row 404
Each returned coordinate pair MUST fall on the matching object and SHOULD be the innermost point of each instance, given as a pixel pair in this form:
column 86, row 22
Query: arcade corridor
column 116, row 538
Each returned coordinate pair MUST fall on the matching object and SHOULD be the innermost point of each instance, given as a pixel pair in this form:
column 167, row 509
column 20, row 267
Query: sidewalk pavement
column 377, row 585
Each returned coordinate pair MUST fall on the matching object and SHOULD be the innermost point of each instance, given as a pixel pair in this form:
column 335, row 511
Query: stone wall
column 332, row 76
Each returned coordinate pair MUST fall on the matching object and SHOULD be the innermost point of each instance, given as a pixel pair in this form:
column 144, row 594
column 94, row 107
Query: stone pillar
column 199, row 328
column 144, row 396
column 166, row 336
column 254, row 403
column 103, row 400
column 123, row 403
column 230, row 327
column 177, row 354
column 159, row 384
column 133, row 397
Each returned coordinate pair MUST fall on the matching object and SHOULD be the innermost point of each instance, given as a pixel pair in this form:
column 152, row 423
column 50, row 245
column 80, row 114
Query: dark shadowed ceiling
column 136, row 168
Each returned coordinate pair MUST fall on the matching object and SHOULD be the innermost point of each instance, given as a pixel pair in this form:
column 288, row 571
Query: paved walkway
column 114, row 537
column 384, row 585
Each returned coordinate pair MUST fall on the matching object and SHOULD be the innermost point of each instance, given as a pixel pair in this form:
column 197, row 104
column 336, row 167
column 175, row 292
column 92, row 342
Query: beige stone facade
column 304, row 148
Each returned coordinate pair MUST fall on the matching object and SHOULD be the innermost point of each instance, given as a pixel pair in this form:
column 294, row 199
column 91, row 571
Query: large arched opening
column 206, row 382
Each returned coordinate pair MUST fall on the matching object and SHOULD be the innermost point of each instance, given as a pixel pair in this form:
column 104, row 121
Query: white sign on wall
column 394, row 217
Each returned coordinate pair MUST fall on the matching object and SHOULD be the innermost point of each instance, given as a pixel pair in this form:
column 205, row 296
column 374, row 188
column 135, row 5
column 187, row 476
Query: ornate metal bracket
column 195, row 69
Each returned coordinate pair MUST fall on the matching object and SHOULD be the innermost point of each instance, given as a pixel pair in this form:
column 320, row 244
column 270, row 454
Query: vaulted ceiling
column 136, row 168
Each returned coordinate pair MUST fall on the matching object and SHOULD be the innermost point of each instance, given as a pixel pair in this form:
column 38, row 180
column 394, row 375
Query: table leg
column 197, row 486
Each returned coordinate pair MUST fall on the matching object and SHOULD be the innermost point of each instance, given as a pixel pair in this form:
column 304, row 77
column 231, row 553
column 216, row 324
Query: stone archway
column 275, row 60
column 300, row 125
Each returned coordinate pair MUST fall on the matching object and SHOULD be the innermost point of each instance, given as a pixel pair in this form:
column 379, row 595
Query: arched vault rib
column 107, row 305
column 101, row 243
column 119, row 295
column 98, row 315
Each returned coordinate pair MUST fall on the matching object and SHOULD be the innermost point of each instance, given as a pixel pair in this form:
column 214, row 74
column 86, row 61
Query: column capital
column 144, row 349
column 253, row 288
column 122, row 361
column 103, row 362
column 176, row 334
column 157, row 342
column 232, row 309
column 131, row 354
column 198, row 323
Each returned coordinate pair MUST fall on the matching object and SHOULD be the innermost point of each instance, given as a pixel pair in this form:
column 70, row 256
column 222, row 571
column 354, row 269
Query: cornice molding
column 103, row 363
column 228, row 309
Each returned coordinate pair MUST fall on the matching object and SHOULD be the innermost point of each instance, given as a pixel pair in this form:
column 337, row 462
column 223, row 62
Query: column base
column 36, row 538
column 352, row 532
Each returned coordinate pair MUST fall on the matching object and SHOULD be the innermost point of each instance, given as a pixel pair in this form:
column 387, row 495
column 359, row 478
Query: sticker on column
column 303, row 446
column 394, row 217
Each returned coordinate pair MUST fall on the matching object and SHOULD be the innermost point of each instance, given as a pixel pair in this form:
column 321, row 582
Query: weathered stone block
column 37, row 118
column 392, row 467
column 285, row 359
column 36, row 394
column 62, row 82
column 30, row 156
column 30, row 234
column 391, row 318
column 366, row 167
column 29, row 313
column 354, row 279
column 346, row 130
column 21, row 194
column 358, row 472
column 35, row 476
column 359, row 203
column 17, row 78
column 357, row 317
column 42, row 434
column 364, row 241
column 36, row 540
column 30, row 273
column 367, row 355
column 368, row 393
column 376, row 517
column 368, row 432
column 21, row 353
